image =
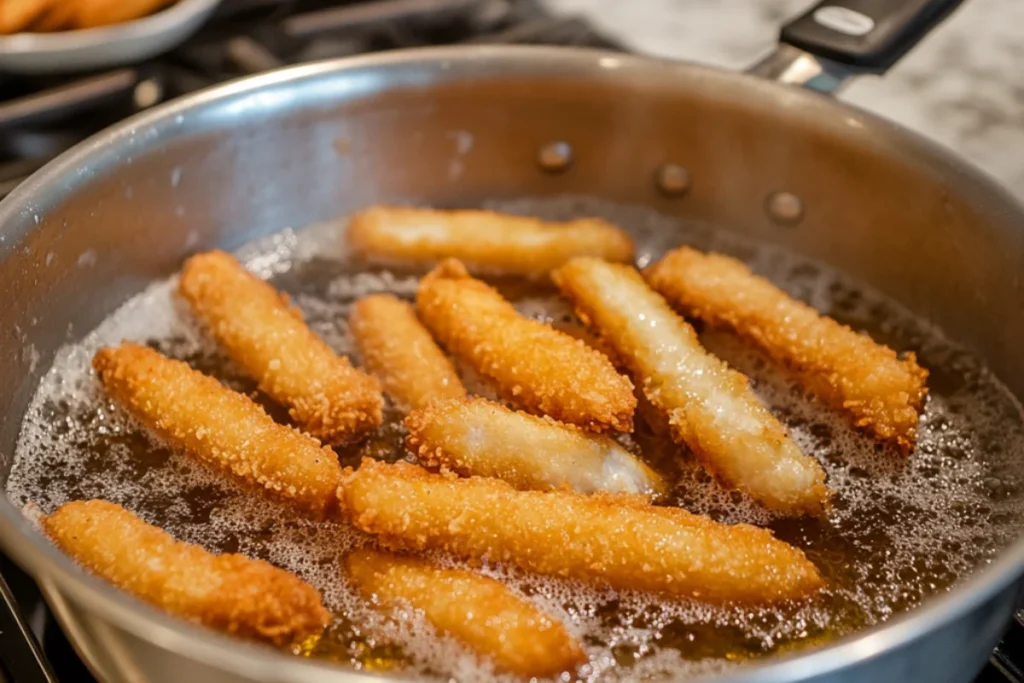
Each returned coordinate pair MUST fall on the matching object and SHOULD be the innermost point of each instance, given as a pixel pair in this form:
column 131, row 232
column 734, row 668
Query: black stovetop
column 42, row 116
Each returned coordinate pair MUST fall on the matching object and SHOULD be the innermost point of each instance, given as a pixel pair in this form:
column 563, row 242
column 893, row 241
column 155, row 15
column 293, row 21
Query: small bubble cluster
column 899, row 530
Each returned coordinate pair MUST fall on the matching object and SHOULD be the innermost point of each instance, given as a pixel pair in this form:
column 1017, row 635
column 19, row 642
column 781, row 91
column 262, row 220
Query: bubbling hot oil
column 901, row 529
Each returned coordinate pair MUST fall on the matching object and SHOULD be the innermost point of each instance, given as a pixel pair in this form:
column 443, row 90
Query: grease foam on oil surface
column 900, row 530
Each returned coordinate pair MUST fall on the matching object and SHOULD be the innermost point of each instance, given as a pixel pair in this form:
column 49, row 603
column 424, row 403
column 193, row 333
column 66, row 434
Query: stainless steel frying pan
column 772, row 161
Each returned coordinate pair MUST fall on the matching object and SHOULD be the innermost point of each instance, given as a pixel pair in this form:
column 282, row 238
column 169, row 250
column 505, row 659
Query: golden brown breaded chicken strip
column 847, row 370
column 532, row 364
column 219, row 427
column 401, row 354
column 617, row 541
column 476, row 610
column 231, row 593
column 483, row 240
column 709, row 406
column 480, row 437
column 325, row 395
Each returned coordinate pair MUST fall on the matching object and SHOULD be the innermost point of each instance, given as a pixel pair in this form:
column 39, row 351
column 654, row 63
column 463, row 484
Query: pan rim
column 77, row 39
column 59, row 576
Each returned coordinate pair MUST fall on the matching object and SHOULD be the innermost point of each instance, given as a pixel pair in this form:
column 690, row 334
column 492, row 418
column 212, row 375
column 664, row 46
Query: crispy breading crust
column 618, row 541
column 401, row 354
column 231, row 593
column 532, row 364
column 220, row 427
column 483, row 240
column 709, row 406
column 480, row 437
column 325, row 395
column 847, row 370
column 478, row 611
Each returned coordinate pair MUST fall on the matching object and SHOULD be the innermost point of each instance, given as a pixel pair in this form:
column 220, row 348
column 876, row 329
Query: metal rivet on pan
column 147, row 93
column 673, row 180
column 785, row 208
column 555, row 157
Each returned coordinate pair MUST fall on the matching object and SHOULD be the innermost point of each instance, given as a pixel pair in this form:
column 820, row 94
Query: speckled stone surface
column 962, row 86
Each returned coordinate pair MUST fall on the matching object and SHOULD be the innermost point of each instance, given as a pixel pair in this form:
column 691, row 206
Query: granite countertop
column 962, row 86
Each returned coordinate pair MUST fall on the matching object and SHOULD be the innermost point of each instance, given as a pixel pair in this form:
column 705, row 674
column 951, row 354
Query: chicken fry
column 231, row 593
column 93, row 13
column 58, row 17
column 710, row 407
column 219, row 427
column 476, row 610
column 846, row 370
column 616, row 541
column 484, row 240
column 401, row 354
column 16, row 15
column 532, row 364
column 479, row 437
column 253, row 322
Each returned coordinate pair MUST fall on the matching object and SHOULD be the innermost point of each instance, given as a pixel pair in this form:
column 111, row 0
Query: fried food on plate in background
column 480, row 437
column 253, row 322
column 231, row 593
column 17, row 15
column 91, row 13
column 530, row 363
column 483, row 240
column 59, row 16
column 219, row 427
column 42, row 16
column 709, row 406
column 845, row 369
column 616, row 541
column 401, row 354
column 478, row 611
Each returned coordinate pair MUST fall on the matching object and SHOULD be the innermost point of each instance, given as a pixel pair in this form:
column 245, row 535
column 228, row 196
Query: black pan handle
column 838, row 39
column 869, row 35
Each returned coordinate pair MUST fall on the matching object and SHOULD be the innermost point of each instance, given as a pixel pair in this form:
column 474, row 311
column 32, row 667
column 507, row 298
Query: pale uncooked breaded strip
column 531, row 364
column 325, row 395
column 483, row 240
column 709, row 406
column 480, row 437
column 617, row 541
column 847, row 370
column 219, row 427
column 231, row 593
column 16, row 15
column 401, row 354
column 476, row 610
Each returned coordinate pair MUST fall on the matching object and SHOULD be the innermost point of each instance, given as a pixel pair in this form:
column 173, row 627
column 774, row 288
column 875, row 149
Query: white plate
column 106, row 46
